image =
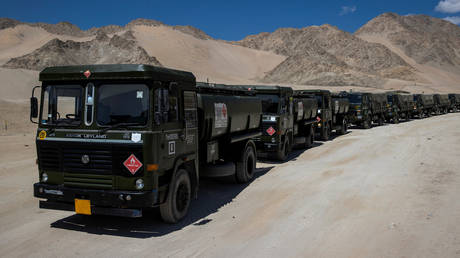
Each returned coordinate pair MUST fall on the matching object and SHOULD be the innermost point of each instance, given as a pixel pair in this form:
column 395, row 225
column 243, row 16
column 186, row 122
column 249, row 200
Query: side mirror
column 33, row 106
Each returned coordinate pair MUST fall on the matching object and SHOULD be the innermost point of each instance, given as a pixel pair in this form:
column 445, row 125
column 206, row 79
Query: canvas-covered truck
column 400, row 106
column 332, row 111
column 287, row 121
column 441, row 103
column 424, row 105
column 118, row 139
column 454, row 102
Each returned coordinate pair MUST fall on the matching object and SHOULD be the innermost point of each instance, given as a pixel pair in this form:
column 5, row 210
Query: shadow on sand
column 213, row 194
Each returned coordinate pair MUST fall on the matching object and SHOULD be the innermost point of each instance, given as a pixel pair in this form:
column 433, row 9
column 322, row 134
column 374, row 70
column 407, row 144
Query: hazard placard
column 132, row 164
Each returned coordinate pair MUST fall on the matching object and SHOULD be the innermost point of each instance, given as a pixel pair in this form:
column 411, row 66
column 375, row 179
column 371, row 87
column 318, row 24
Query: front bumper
column 104, row 202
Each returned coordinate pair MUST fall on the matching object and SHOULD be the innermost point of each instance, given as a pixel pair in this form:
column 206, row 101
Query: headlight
column 44, row 177
column 273, row 140
column 139, row 184
column 319, row 111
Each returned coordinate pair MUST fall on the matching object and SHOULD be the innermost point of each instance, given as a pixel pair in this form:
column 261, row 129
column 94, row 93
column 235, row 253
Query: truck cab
column 111, row 138
column 277, row 121
column 360, row 109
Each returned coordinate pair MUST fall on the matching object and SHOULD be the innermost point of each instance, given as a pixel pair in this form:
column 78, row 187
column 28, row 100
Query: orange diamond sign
column 270, row 131
column 132, row 164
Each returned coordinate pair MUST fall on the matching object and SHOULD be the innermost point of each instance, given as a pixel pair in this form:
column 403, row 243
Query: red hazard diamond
column 270, row 131
column 132, row 164
column 87, row 73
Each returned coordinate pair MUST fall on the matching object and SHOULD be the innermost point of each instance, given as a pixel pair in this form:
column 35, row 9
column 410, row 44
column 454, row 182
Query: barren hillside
column 429, row 44
column 325, row 55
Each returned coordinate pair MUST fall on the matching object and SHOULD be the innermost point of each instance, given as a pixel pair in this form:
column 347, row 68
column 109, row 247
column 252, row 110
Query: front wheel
column 282, row 153
column 246, row 165
column 179, row 197
column 310, row 138
column 367, row 123
column 325, row 132
column 344, row 128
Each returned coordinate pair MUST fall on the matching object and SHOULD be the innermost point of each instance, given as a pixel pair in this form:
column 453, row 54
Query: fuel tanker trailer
column 119, row 139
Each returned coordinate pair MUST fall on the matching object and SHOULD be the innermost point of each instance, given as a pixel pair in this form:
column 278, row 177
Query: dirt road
column 392, row 191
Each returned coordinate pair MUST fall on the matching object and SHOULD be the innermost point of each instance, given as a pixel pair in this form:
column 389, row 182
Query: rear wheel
column 381, row 121
column 246, row 165
column 179, row 197
column 396, row 119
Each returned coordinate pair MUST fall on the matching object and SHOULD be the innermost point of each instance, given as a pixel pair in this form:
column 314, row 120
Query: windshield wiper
column 116, row 126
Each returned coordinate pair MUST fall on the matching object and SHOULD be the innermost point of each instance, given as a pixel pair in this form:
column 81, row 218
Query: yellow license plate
column 83, row 206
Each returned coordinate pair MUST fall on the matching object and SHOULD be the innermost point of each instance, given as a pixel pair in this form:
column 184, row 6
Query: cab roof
column 114, row 72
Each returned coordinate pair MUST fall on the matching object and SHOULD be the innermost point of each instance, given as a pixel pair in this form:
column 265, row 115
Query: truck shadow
column 213, row 194
column 295, row 153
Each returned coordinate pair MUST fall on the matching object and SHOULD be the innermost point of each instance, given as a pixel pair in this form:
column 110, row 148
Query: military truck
column 366, row 108
column 400, row 106
column 441, row 103
column 454, row 102
column 332, row 111
column 118, row 139
column 287, row 121
column 424, row 105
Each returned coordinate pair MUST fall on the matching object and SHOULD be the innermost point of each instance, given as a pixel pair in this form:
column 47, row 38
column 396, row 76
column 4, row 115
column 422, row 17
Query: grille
column 100, row 159
column 105, row 160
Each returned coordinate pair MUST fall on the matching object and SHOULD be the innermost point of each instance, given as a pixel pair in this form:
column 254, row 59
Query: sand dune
column 23, row 39
column 215, row 60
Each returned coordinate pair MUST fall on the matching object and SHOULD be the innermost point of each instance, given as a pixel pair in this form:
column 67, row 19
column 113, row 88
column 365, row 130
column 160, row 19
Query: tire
column 325, row 132
column 344, row 128
column 396, row 120
column 310, row 138
column 367, row 123
column 179, row 197
column 282, row 154
column 381, row 121
column 246, row 165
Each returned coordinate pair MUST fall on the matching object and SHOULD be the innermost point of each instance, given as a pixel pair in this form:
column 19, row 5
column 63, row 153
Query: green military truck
column 117, row 139
column 424, row 105
column 366, row 108
column 454, row 102
column 441, row 103
column 287, row 121
column 400, row 106
column 332, row 111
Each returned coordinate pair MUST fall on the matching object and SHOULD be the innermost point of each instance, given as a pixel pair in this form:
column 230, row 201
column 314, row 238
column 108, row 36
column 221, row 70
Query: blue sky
column 229, row 20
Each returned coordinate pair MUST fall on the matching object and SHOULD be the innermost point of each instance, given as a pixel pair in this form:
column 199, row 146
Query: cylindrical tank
column 340, row 105
column 220, row 114
column 305, row 108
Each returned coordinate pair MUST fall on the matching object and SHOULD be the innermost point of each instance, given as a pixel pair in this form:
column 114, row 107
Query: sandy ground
column 391, row 191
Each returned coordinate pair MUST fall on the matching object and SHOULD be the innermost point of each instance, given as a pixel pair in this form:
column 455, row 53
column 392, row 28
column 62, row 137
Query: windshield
column 355, row 99
column 62, row 105
column 122, row 103
column 269, row 103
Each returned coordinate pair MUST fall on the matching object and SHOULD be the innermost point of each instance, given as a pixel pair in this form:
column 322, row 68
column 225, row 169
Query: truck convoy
column 119, row 139
column 116, row 139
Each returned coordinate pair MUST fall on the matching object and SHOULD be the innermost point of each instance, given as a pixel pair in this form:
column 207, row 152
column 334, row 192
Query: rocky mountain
column 66, row 28
column 425, row 39
column 325, row 55
column 101, row 50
